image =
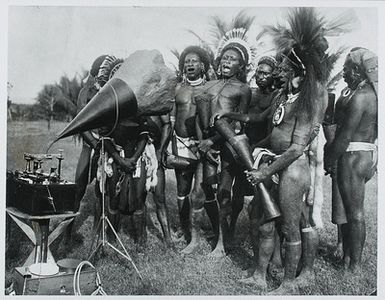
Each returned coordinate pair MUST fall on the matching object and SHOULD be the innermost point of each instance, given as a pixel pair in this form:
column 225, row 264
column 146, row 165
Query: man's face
column 230, row 63
column 263, row 76
column 285, row 73
column 349, row 74
column 192, row 66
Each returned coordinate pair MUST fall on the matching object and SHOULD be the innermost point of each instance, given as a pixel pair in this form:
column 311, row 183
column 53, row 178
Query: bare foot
column 275, row 268
column 177, row 235
column 169, row 243
column 352, row 271
column 217, row 253
column 286, row 288
column 346, row 262
column 339, row 252
column 191, row 248
column 256, row 280
column 249, row 272
column 306, row 278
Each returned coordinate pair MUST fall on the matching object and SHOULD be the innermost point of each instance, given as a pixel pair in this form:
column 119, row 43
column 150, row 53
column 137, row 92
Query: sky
column 46, row 42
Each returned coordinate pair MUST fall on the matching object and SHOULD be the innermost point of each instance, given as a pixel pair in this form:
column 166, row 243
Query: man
column 298, row 106
column 123, row 168
column 228, row 94
column 256, row 127
column 330, row 127
column 193, row 66
column 353, row 148
column 160, row 127
column 82, row 174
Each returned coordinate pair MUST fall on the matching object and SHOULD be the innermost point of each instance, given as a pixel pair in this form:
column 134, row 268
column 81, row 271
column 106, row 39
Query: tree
column 66, row 101
column 45, row 102
column 58, row 101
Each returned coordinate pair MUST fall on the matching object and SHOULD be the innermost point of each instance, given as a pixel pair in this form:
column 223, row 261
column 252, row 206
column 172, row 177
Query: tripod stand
column 104, row 222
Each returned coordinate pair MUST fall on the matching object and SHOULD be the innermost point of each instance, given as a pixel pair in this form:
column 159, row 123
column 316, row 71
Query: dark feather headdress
column 303, row 42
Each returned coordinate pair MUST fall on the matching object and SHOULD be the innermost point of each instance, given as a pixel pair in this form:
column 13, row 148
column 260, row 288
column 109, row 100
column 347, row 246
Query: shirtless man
column 229, row 93
column 329, row 127
column 298, row 104
column 160, row 127
column 256, row 129
column 193, row 65
column 353, row 148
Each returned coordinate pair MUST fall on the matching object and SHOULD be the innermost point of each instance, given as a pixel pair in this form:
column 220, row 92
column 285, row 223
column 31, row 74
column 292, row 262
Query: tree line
column 55, row 101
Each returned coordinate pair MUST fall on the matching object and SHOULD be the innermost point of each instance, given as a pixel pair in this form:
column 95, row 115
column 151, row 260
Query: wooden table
column 38, row 232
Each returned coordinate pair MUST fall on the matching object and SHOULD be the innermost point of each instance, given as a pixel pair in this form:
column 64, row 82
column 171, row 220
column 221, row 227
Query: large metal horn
column 142, row 86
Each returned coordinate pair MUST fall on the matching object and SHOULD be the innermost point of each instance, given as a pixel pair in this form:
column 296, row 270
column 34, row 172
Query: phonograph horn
column 143, row 85
column 115, row 99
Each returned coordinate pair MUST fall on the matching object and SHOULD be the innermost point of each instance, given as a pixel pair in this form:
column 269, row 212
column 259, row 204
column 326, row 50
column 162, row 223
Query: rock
column 152, row 82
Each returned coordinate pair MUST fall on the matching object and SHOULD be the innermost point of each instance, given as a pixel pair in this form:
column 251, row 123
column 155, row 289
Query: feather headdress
column 233, row 35
column 303, row 43
column 108, row 68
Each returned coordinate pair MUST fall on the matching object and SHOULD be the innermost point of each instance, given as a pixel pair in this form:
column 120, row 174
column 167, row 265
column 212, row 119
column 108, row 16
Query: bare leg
column 294, row 183
column 237, row 202
column 161, row 208
column 310, row 242
column 352, row 171
column 196, row 211
column 316, row 155
column 276, row 260
column 338, row 216
column 184, row 180
column 339, row 252
column 211, row 204
column 224, row 199
column 345, row 244
column 265, row 250
column 139, row 217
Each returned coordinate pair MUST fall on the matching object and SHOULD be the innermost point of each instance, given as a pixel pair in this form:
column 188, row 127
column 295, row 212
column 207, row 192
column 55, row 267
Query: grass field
column 166, row 272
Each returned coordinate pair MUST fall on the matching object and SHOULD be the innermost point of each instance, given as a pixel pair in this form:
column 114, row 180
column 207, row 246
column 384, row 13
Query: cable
column 76, row 282
column 117, row 111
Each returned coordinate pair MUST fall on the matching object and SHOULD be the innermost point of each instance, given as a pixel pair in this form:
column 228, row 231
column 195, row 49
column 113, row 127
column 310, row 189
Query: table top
column 14, row 211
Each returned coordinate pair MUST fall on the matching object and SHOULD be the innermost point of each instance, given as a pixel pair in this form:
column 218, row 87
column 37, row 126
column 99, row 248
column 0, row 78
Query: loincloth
column 187, row 147
column 149, row 158
column 363, row 146
column 258, row 154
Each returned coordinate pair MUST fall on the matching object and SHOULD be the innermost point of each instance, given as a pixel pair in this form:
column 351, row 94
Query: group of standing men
column 228, row 140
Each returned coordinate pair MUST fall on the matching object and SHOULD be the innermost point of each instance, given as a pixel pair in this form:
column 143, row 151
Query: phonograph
column 39, row 192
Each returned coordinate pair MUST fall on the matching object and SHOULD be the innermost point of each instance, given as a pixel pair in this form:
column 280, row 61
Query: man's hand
column 255, row 176
column 330, row 169
column 205, row 145
column 128, row 164
column 216, row 116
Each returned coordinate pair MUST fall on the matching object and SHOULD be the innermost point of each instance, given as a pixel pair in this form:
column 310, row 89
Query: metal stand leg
column 104, row 222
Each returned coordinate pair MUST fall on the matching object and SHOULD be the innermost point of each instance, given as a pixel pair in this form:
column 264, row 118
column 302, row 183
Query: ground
column 166, row 272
